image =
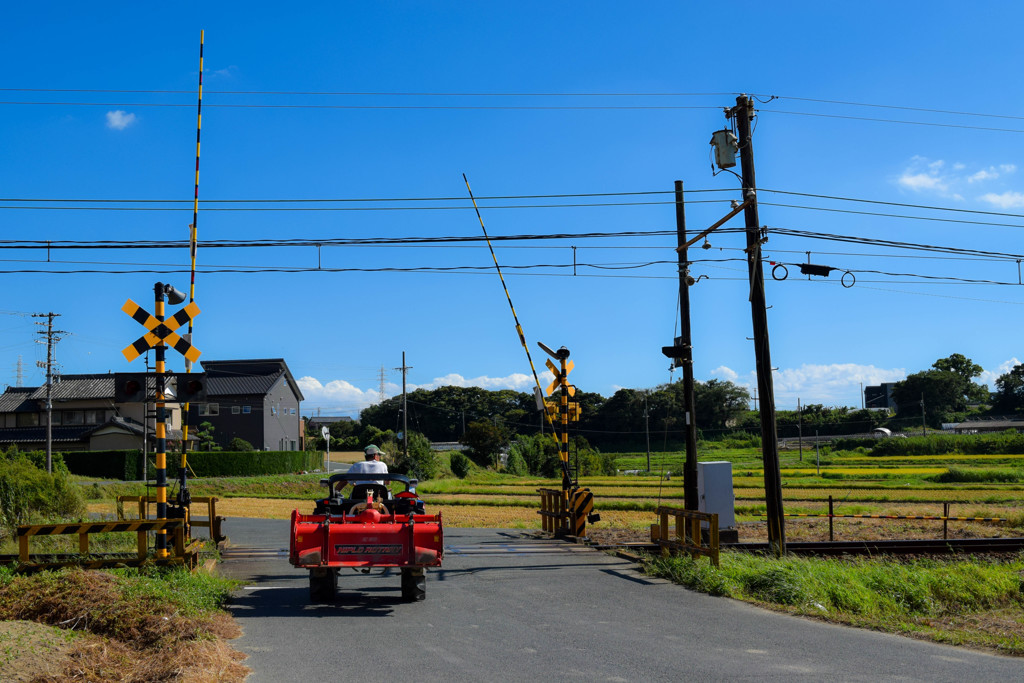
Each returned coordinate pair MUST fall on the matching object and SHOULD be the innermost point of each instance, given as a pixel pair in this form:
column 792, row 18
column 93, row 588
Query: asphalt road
column 509, row 606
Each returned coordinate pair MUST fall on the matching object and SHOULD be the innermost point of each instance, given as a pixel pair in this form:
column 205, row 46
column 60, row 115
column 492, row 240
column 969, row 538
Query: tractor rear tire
column 414, row 585
column 323, row 585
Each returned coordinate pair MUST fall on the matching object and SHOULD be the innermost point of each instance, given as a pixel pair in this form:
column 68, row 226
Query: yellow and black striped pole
column 161, row 429
column 563, row 410
column 519, row 329
column 193, row 240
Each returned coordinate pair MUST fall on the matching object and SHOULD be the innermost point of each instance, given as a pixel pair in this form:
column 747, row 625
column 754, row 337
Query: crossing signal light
column 191, row 387
column 130, row 387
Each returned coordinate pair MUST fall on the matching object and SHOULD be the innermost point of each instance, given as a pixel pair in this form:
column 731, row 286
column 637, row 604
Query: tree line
column 627, row 419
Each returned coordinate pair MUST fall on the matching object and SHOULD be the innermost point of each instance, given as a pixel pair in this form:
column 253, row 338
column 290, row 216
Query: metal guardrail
column 182, row 553
column 212, row 522
column 687, row 538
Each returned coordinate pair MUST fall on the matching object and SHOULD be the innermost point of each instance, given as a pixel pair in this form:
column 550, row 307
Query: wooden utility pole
column 691, row 499
column 743, row 113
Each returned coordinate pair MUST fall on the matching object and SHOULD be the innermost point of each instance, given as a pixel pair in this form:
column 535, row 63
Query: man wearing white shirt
column 371, row 465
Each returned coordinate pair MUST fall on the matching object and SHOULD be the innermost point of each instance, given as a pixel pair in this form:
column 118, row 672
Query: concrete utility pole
column 743, row 113
column 51, row 339
column 405, row 409
column 690, row 492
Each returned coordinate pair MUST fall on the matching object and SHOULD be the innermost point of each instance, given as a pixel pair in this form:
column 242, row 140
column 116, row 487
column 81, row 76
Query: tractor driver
column 371, row 465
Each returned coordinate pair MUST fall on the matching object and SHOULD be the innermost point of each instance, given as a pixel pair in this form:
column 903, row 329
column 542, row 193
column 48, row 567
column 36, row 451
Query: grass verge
column 975, row 602
column 128, row 625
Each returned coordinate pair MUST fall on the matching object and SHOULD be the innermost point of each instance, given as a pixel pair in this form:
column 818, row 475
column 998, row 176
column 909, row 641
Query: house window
column 246, row 410
column 28, row 419
column 93, row 417
column 209, row 409
column 292, row 411
column 235, row 410
column 273, row 410
column 72, row 417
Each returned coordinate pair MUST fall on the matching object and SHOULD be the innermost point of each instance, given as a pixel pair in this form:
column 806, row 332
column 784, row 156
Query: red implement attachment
column 369, row 538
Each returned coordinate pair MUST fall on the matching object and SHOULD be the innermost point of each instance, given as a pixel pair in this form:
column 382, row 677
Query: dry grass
column 121, row 635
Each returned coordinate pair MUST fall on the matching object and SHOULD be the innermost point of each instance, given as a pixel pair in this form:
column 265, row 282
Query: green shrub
column 127, row 465
column 460, row 465
column 27, row 492
column 239, row 444
column 516, row 464
column 421, row 462
column 956, row 475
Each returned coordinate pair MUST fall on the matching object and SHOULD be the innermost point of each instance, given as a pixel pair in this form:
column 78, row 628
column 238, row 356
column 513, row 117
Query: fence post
column 945, row 521
column 831, row 536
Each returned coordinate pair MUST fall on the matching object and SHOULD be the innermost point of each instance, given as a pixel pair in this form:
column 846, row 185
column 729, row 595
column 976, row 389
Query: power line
column 429, row 107
column 878, row 120
column 898, row 107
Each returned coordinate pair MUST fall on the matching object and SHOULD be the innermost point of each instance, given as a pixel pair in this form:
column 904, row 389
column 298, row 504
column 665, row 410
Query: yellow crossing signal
column 569, row 365
column 160, row 331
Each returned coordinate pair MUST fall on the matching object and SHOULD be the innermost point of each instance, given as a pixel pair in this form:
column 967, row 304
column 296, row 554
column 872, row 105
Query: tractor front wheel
column 323, row 585
column 414, row 584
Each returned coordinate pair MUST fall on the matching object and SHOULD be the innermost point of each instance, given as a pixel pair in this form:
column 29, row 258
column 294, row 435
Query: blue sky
column 591, row 98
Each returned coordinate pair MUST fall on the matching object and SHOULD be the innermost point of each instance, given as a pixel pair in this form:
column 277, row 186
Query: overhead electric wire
column 934, row 124
column 471, row 107
column 895, row 106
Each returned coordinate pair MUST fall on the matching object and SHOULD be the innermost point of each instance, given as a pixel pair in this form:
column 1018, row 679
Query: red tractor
column 372, row 527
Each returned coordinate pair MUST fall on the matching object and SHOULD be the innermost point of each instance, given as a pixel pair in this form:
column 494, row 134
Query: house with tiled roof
column 256, row 400
column 84, row 416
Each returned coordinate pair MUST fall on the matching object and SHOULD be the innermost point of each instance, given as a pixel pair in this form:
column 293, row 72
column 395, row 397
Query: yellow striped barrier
column 182, row 554
column 688, row 537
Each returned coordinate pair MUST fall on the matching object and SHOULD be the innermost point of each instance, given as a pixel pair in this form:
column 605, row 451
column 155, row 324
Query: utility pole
column 647, row 431
column 800, row 428
column 405, row 409
column 690, row 492
column 923, row 423
column 49, row 332
column 743, row 113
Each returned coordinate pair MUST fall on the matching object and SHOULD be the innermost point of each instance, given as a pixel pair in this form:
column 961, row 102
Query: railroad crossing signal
column 552, row 406
column 180, row 387
column 569, row 365
column 160, row 331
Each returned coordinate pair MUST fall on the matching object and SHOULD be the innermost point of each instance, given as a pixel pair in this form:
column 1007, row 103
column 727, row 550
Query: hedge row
column 127, row 465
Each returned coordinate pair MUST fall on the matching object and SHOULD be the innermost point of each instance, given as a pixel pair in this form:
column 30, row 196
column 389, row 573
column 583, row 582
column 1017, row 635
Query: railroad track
column 830, row 548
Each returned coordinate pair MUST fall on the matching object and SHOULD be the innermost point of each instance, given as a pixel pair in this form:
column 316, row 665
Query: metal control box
column 714, row 486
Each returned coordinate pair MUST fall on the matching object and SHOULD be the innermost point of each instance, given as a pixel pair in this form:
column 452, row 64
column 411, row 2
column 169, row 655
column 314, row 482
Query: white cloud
column 722, row 372
column 836, row 384
column 948, row 180
column 989, row 377
column 119, row 120
column 922, row 181
column 1006, row 200
column 516, row 380
column 984, row 174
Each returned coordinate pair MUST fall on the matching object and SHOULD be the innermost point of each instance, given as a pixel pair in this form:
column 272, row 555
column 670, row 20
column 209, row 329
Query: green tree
column 421, row 462
column 1010, row 391
column 485, row 440
column 947, row 389
column 718, row 402
column 206, row 439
